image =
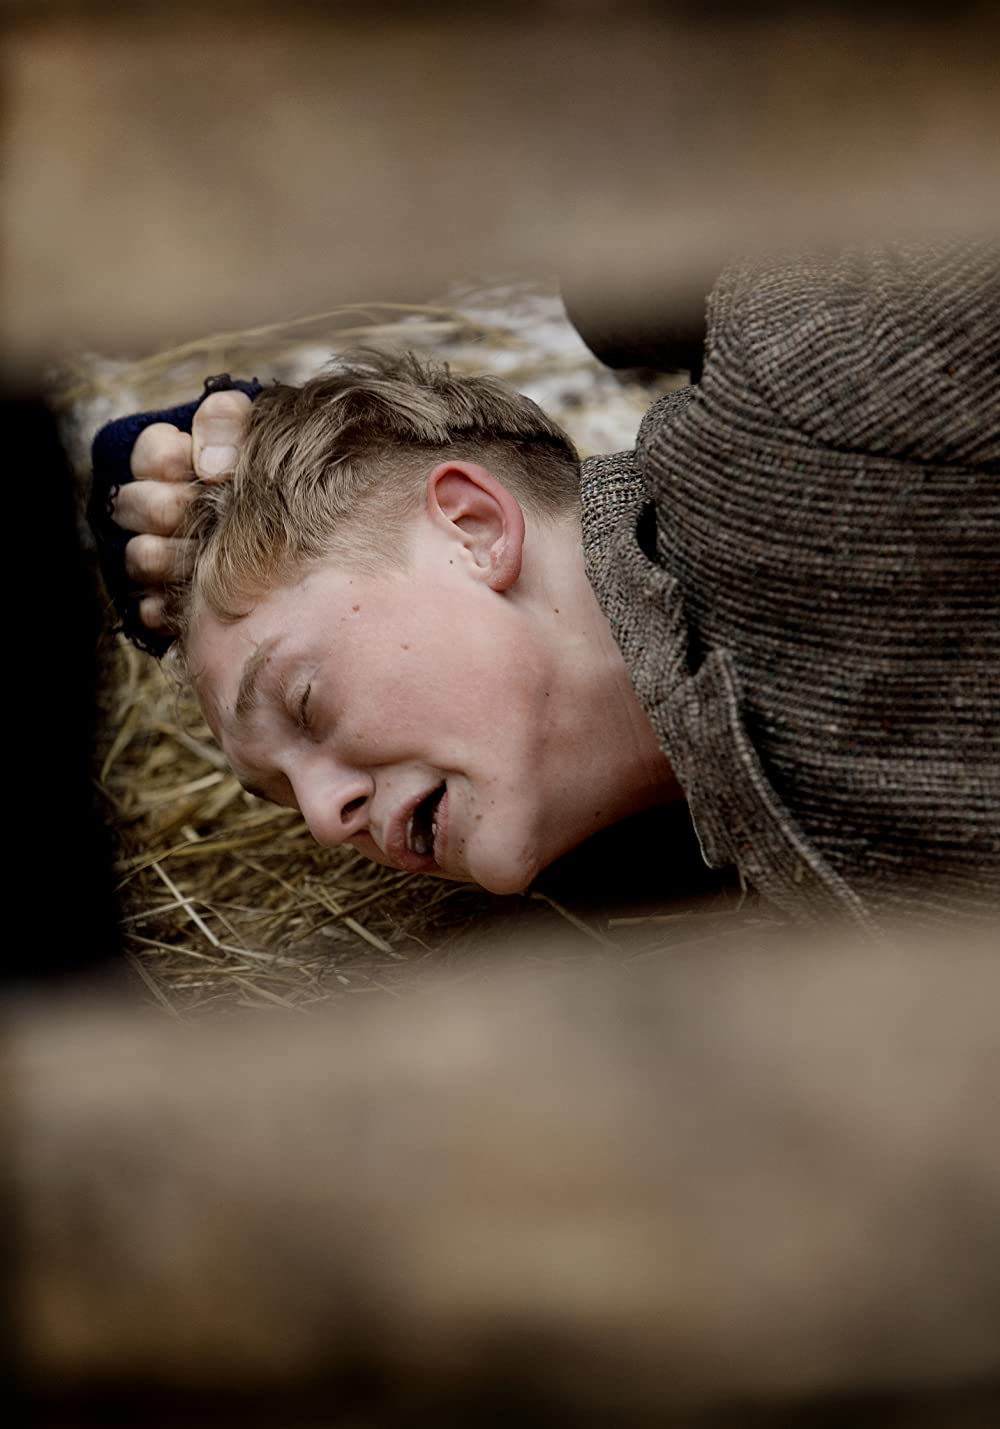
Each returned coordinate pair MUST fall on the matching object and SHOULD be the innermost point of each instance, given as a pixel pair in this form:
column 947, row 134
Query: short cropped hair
column 337, row 466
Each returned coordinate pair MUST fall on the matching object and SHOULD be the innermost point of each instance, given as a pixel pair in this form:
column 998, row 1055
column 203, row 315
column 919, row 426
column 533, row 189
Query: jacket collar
column 697, row 713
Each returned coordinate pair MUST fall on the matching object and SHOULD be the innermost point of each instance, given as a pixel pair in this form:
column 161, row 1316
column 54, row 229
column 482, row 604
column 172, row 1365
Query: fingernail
column 217, row 461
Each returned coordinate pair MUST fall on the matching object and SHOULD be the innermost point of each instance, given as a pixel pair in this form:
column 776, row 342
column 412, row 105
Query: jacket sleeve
column 111, row 455
column 891, row 351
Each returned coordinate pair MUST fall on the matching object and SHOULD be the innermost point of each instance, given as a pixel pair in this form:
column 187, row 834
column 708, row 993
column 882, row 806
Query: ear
column 477, row 511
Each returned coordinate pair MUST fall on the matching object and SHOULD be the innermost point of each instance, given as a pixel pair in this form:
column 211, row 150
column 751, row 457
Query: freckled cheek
column 423, row 697
column 385, row 724
column 421, row 688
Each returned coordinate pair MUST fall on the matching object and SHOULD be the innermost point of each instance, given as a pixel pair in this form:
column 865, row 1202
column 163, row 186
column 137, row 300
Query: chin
column 505, row 879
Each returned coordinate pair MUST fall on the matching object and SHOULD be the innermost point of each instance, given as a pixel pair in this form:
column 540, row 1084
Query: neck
column 600, row 713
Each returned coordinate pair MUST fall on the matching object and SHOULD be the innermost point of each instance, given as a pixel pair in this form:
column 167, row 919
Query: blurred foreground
column 749, row 1186
column 177, row 168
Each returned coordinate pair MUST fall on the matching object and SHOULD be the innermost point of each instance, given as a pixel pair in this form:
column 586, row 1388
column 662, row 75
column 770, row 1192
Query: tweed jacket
column 800, row 562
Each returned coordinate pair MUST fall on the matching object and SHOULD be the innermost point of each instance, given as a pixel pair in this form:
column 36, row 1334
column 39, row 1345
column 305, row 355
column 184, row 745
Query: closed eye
column 304, row 710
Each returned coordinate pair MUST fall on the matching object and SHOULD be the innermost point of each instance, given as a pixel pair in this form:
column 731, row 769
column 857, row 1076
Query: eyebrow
column 246, row 695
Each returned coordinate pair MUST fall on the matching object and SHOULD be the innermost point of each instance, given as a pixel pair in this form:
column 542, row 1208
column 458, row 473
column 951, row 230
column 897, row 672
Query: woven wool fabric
column 801, row 565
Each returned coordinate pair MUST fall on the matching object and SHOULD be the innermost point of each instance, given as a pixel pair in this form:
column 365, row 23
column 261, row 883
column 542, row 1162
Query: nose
column 336, row 804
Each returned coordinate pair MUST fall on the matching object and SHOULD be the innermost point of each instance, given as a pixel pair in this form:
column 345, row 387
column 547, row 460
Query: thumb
column 217, row 434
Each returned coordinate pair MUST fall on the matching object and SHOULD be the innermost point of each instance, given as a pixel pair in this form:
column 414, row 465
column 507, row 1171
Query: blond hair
column 336, row 467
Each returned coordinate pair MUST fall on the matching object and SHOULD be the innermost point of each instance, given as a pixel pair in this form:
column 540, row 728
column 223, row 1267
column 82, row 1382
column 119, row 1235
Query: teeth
column 417, row 843
column 421, row 836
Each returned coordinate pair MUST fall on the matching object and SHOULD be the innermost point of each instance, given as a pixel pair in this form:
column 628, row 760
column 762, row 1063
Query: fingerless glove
column 112, row 455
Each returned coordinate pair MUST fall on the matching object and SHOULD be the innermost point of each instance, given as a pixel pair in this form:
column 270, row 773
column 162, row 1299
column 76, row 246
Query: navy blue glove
column 112, row 454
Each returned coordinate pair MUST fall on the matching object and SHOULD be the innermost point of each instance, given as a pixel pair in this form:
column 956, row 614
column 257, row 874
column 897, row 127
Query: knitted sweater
column 801, row 565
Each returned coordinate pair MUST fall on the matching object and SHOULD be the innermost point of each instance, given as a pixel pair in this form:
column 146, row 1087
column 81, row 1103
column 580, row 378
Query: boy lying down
column 410, row 611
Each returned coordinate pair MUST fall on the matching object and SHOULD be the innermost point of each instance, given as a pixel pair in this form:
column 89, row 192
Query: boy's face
column 413, row 714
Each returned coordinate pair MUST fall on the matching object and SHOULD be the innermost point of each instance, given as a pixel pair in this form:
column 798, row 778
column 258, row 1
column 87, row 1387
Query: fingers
column 165, row 463
column 162, row 453
column 156, row 507
column 154, row 560
column 161, row 464
column 151, row 613
column 217, row 434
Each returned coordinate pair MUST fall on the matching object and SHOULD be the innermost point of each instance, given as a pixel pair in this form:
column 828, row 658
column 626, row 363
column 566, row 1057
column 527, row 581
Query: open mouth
column 421, row 826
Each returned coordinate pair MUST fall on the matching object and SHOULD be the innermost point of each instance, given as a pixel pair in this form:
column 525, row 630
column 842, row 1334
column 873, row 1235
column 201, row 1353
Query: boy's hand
column 165, row 463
